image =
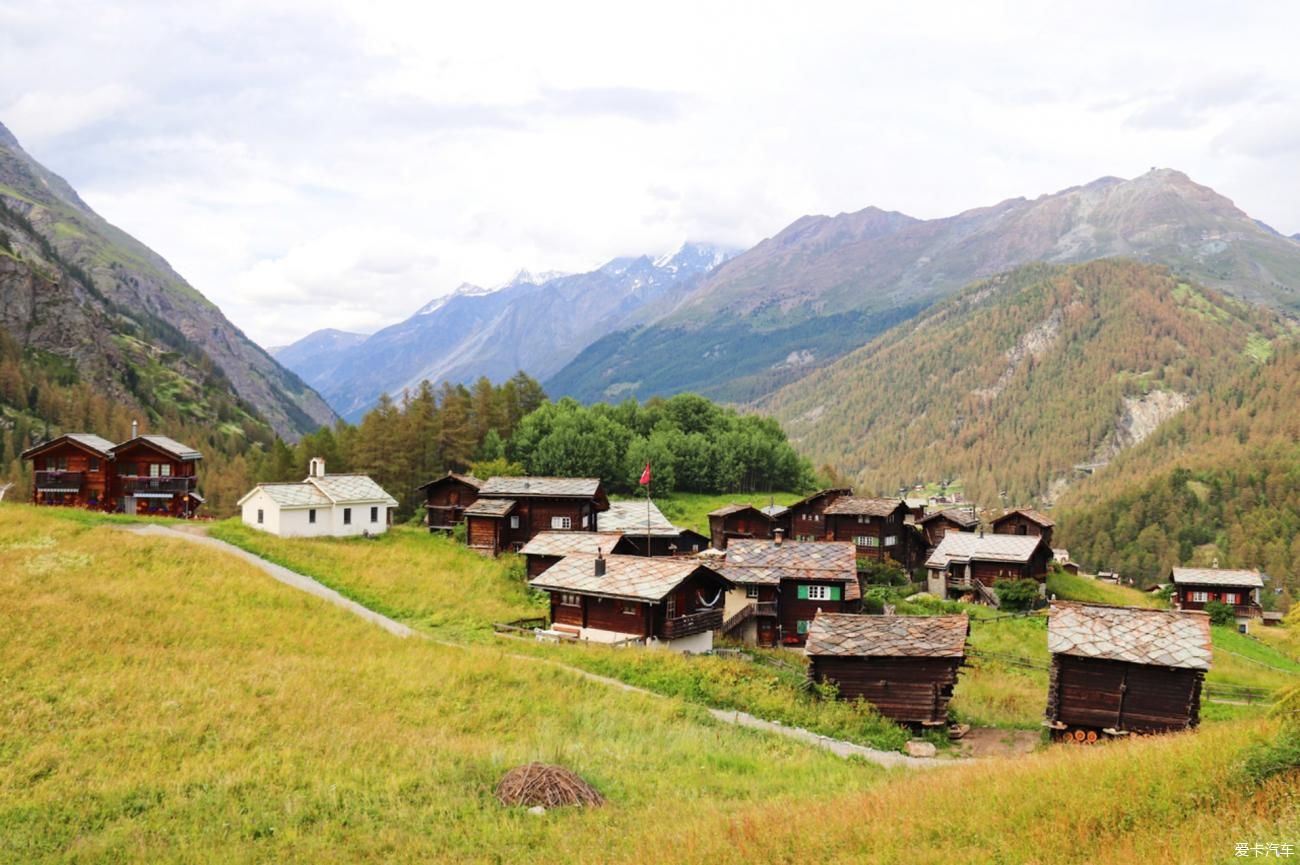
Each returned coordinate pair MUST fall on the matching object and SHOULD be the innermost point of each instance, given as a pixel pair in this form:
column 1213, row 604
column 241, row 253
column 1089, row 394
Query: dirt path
column 198, row 534
column 992, row 742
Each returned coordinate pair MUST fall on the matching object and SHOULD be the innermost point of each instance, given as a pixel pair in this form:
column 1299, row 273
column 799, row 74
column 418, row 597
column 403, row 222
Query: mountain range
column 535, row 323
column 73, row 286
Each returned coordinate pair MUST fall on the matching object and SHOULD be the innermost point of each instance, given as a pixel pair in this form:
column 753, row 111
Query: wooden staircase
column 990, row 597
column 744, row 614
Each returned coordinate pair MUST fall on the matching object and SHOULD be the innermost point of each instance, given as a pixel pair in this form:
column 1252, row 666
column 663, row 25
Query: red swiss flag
column 645, row 475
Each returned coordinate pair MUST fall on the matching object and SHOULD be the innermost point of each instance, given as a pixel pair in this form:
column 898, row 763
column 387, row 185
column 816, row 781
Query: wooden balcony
column 136, row 485
column 765, row 608
column 59, row 480
column 695, row 623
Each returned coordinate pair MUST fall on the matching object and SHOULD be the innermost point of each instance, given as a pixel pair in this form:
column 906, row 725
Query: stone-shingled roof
column 1163, row 638
column 292, row 495
column 852, row 505
column 1217, row 577
column 1029, row 514
column 637, row 578
column 967, row 546
column 346, row 489
column 751, row 561
column 541, row 486
column 465, row 479
column 490, row 508
column 88, row 440
column 163, row 443
column 857, row 636
column 734, row 508
column 630, row 519
column 567, row 543
column 961, row 517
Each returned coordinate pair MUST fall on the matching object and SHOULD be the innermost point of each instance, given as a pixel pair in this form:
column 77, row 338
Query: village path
column 197, row 534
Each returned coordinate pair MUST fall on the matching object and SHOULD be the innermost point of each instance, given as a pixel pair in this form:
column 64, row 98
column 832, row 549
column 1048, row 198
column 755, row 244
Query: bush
column 886, row 573
column 1016, row 594
column 1221, row 613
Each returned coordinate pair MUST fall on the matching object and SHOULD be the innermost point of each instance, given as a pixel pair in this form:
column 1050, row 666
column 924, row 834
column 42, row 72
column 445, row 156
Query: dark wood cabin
column 672, row 601
column 1272, row 619
column 967, row 563
column 510, row 512
column 446, row 498
column 156, row 475
column 547, row 548
column 1024, row 521
column 646, row 531
column 934, row 526
column 876, row 527
column 1122, row 670
column 805, row 520
column 781, row 586
column 1239, row 589
column 1070, row 567
column 73, row 470
column 738, row 521
column 905, row 666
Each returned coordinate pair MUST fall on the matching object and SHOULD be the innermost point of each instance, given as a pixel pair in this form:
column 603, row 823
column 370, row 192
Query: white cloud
column 311, row 164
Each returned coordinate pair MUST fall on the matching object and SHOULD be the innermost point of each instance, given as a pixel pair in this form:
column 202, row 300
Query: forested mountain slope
column 827, row 285
column 1022, row 377
column 1219, row 482
column 83, row 290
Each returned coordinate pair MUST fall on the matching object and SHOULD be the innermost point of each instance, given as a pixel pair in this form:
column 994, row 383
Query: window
column 1199, row 597
column 1229, row 597
column 347, row 516
column 259, row 516
column 165, row 470
column 863, row 518
column 374, row 515
column 751, row 591
column 154, row 470
column 56, row 464
column 866, row 541
column 568, row 599
column 311, row 515
column 514, row 522
column 629, row 608
column 821, row 593
column 94, row 464
column 564, row 523
column 891, row 540
column 585, row 518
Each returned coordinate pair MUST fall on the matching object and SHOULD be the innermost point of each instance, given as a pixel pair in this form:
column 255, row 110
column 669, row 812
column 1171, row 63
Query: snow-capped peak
column 527, row 277
column 465, row 289
column 704, row 256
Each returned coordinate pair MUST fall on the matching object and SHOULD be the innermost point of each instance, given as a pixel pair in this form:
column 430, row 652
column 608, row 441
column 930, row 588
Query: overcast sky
column 313, row 164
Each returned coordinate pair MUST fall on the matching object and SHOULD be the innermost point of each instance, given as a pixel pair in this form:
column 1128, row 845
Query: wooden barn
column 1122, row 670
column 876, row 527
column 967, row 563
column 905, row 666
column 1024, row 521
column 1239, row 589
column 547, row 548
column 675, row 602
column 805, row 520
column 781, row 585
column 738, row 521
column 509, row 512
column 73, row 470
column 940, row 523
column 446, row 498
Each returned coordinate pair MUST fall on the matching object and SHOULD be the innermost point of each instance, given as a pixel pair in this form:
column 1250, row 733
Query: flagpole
column 647, row 517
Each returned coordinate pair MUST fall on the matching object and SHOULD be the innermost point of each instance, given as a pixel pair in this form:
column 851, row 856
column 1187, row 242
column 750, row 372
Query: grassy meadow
column 691, row 510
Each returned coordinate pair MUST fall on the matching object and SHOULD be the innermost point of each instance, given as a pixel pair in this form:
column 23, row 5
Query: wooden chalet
column 1024, row 521
column 156, row 475
column 1121, row 670
column 876, row 527
column 934, row 526
column 509, row 512
column 674, row 602
column 738, row 521
column 446, row 498
column 646, row 531
column 905, row 666
column 780, row 587
column 967, row 563
column 1273, row 619
column 73, row 470
column 547, row 548
column 805, row 520
column 1195, row 587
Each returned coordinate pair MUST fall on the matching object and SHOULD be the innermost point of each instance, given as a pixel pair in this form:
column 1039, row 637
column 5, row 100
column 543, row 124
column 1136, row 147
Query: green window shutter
column 803, row 595
column 802, row 626
column 837, row 593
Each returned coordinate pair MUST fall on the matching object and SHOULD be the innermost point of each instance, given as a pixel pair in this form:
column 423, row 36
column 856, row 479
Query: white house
column 321, row 505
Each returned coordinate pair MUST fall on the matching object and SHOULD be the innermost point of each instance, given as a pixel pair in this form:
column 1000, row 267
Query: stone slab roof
column 857, row 636
column 465, row 479
column 541, row 486
column 165, row 444
column 837, row 556
column 1217, row 577
column 567, row 543
column 1030, row 514
column 963, row 518
column 630, row 519
column 733, row 508
column 349, row 489
column 637, row 578
column 87, row 440
column 1163, row 638
column 853, row 505
column 490, row 508
column 967, row 546
column 292, row 495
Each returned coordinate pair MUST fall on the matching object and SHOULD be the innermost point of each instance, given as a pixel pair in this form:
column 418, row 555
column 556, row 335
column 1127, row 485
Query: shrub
column 886, row 573
column 1220, row 613
column 1016, row 594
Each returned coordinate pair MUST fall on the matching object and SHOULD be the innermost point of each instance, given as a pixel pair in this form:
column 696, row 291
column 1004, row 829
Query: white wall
column 296, row 522
column 270, row 512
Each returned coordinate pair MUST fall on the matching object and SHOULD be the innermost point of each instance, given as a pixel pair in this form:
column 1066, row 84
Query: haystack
column 545, row 785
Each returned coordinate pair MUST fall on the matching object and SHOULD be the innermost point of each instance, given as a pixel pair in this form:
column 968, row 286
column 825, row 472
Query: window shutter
column 837, row 593
column 802, row 627
column 803, row 595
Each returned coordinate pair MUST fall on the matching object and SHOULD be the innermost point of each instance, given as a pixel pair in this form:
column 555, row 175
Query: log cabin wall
column 535, row 515
column 1019, row 524
column 620, row 616
column 484, row 532
column 69, row 465
column 906, row 690
column 1138, row 698
column 446, row 501
column 792, row 610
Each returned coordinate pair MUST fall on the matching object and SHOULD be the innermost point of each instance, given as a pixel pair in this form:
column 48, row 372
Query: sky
column 332, row 164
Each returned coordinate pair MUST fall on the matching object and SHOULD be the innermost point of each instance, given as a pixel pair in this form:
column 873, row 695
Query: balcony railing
column 62, row 480
column 135, row 485
column 695, row 623
column 765, row 608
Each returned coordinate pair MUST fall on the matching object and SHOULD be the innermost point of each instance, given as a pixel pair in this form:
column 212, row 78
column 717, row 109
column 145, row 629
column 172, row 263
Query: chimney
column 316, row 468
column 600, row 564
column 135, row 428
column 777, row 535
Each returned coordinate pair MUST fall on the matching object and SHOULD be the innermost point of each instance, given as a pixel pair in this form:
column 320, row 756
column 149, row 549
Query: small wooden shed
column 1121, row 670
column 905, row 666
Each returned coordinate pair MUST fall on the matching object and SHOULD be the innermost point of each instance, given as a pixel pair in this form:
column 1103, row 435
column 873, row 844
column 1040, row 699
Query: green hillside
column 1020, row 378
